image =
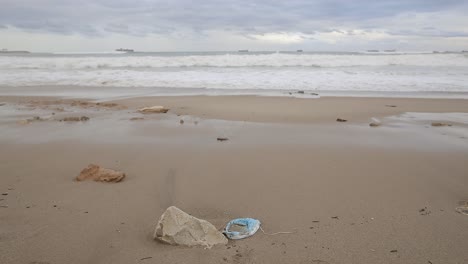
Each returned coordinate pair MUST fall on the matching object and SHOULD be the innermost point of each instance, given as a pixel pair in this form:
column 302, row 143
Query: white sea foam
column 272, row 71
column 93, row 61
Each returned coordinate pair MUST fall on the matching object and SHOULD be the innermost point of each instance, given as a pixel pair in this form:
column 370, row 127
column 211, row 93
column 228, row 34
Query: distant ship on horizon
column 244, row 50
column 14, row 51
column 125, row 50
column 372, row 50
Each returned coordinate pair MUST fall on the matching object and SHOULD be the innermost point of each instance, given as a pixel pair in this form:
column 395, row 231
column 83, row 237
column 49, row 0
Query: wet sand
column 353, row 193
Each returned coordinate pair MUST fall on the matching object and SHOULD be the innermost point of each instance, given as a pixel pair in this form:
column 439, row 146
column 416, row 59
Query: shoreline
column 270, row 109
column 108, row 92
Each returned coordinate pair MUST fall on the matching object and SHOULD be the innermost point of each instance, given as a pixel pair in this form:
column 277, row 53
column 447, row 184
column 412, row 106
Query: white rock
column 375, row 122
column 176, row 227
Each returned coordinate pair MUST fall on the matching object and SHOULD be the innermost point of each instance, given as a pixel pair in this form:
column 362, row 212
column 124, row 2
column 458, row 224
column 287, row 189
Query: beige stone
column 439, row 124
column 153, row 109
column 97, row 173
column 176, row 227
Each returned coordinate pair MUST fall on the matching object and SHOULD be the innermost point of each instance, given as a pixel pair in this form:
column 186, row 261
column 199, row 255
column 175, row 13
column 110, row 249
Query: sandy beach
column 351, row 193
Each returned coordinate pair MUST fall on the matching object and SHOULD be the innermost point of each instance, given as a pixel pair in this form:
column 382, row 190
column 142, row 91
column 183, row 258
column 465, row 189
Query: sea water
column 261, row 73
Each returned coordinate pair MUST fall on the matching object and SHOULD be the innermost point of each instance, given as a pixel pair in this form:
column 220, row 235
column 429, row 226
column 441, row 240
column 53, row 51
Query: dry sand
column 354, row 193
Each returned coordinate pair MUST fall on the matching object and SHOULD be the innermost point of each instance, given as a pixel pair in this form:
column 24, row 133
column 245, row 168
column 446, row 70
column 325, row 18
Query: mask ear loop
column 278, row 233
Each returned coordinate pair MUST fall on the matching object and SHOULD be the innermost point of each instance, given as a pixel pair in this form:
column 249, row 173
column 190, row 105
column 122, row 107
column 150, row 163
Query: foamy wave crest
column 277, row 71
column 230, row 60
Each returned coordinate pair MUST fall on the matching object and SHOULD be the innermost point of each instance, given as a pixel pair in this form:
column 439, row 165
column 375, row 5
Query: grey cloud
column 429, row 33
column 140, row 17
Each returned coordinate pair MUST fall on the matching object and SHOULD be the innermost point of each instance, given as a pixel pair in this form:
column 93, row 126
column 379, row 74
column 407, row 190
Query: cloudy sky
column 219, row 25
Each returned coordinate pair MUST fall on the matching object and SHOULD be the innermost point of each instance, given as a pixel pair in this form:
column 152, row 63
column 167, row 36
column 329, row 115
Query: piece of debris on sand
column 30, row 120
column 222, row 139
column 176, row 227
column 74, row 119
column 136, row 118
column 97, row 173
column 341, row 120
column 424, row 211
column 440, row 124
column 153, row 109
column 375, row 122
column 463, row 208
column 107, row 104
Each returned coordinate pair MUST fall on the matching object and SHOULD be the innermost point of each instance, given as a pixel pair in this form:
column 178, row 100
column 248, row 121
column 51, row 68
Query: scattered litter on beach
column 390, row 105
column 341, row 120
column 241, row 228
column 154, row 109
column 222, row 139
column 97, row 173
column 175, row 227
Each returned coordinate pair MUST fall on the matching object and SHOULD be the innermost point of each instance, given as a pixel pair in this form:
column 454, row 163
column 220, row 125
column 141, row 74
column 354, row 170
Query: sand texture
column 349, row 192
